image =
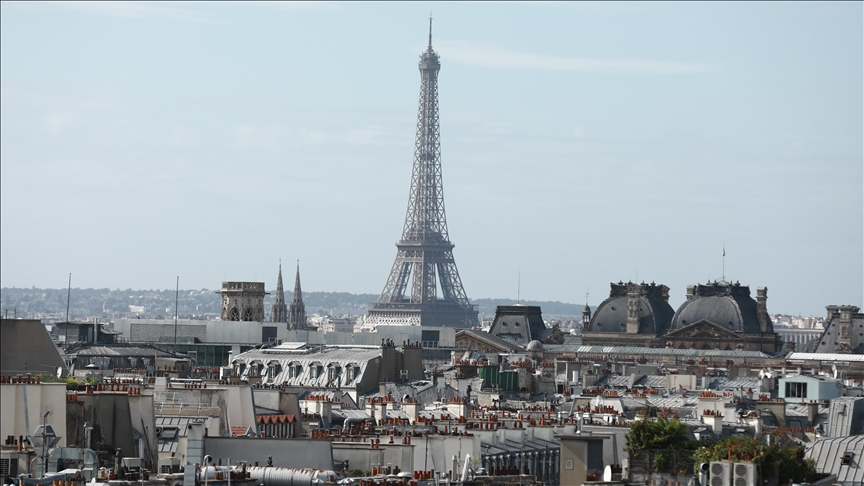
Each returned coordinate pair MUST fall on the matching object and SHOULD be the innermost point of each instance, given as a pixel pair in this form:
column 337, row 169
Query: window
column 796, row 390
column 847, row 458
column 273, row 370
column 430, row 335
column 295, row 371
column 315, row 371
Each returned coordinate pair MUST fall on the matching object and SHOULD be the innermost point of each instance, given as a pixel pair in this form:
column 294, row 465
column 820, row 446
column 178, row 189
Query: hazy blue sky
column 582, row 144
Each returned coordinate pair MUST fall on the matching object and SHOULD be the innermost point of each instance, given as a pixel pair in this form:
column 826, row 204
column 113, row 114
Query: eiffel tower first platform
column 425, row 253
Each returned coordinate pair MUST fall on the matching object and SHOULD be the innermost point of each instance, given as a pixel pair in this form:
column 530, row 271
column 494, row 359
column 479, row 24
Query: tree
column 784, row 458
column 660, row 434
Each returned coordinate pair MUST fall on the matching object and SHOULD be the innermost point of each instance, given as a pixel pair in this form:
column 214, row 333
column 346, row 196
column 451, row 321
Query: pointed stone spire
column 297, row 311
column 279, row 311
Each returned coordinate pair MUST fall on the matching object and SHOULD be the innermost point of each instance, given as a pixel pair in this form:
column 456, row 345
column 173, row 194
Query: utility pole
column 68, row 294
column 176, row 302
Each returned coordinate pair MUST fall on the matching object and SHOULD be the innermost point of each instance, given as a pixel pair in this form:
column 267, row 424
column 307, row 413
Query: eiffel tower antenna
column 430, row 31
column 425, row 253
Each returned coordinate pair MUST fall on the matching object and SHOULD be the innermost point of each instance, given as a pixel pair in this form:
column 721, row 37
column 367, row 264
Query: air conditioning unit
column 744, row 474
column 720, row 474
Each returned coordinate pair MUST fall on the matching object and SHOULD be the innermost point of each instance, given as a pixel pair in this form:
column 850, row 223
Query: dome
column 535, row 345
column 654, row 312
column 727, row 305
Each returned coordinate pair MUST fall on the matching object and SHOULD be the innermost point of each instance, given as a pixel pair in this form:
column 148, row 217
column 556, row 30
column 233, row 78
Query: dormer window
column 295, row 370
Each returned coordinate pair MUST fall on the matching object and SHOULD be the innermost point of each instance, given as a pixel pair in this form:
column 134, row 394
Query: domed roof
column 535, row 345
column 728, row 305
column 654, row 311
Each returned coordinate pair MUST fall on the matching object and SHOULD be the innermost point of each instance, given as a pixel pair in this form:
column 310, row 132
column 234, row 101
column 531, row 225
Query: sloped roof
column 505, row 344
column 696, row 353
column 828, row 454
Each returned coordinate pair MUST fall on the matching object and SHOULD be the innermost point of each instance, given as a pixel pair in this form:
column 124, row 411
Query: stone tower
column 279, row 312
column 297, row 311
column 243, row 301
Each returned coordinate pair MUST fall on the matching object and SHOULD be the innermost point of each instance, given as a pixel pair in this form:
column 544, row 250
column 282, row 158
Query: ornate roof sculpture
column 634, row 309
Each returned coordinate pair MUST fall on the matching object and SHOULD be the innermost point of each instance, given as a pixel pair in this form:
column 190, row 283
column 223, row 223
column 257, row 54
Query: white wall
column 46, row 396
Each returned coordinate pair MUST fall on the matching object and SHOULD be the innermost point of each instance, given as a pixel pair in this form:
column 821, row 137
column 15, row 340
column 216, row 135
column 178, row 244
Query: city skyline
column 582, row 144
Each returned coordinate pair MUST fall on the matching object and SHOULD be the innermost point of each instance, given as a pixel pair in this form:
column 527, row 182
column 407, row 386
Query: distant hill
column 50, row 304
column 550, row 309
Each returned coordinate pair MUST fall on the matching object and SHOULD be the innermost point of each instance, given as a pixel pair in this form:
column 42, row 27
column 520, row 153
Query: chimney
column 756, row 423
column 633, row 305
column 325, row 408
column 382, row 411
column 715, row 422
column 459, row 409
column 411, row 409
column 761, row 307
column 691, row 291
column 812, row 412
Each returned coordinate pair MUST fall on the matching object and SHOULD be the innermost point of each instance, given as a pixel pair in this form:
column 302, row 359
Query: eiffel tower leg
column 394, row 290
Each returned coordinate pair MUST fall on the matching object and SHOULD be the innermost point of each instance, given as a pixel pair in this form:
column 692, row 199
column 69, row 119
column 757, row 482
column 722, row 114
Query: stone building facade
column 716, row 315
column 723, row 315
column 632, row 315
column 844, row 331
column 243, row 301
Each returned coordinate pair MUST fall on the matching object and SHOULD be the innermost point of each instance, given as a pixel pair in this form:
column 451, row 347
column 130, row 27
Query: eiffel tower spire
column 297, row 311
column 425, row 253
column 279, row 311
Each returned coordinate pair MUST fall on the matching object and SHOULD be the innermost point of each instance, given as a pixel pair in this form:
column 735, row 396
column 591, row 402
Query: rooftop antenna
column 430, row 30
column 68, row 294
column 519, row 287
column 724, row 262
column 176, row 301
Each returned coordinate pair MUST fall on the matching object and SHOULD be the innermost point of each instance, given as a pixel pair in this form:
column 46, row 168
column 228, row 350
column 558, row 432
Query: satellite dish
column 607, row 473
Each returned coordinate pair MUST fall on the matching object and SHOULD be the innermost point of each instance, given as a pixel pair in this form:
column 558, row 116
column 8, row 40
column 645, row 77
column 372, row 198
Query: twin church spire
column 295, row 315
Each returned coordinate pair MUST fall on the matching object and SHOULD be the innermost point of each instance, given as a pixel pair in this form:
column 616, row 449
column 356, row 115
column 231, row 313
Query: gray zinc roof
column 828, row 454
column 695, row 353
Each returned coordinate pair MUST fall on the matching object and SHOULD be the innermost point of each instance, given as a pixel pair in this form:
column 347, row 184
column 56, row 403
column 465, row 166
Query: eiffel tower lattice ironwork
column 425, row 249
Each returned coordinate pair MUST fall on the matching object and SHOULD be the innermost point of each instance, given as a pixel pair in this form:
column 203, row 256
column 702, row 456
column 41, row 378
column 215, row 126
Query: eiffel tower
column 425, row 249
